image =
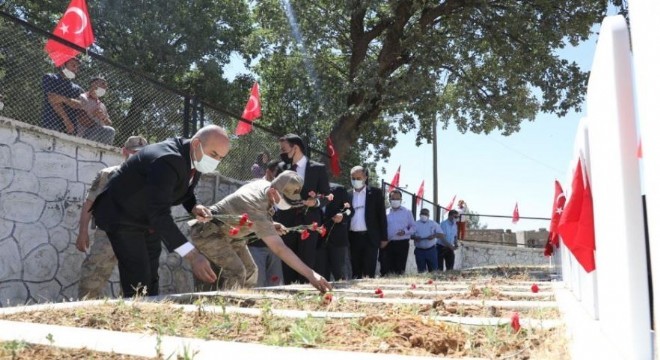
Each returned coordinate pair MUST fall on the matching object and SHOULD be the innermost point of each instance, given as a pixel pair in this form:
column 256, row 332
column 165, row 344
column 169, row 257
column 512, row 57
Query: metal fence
column 136, row 104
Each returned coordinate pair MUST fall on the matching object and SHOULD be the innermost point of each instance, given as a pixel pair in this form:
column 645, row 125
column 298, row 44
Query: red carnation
column 413, row 286
column 327, row 298
column 429, row 282
column 378, row 291
column 315, row 226
column 274, row 279
column 322, row 230
column 515, row 322
column 535, row 288
column 304, row 235
column 381, row 295
column 233, row 231
column 244, row 219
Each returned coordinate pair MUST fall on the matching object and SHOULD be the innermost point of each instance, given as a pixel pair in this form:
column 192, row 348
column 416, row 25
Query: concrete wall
column 44, row 176
column 531, row 238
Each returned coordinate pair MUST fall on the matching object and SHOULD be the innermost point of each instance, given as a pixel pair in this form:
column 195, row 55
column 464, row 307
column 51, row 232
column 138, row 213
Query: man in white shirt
column 368, row 224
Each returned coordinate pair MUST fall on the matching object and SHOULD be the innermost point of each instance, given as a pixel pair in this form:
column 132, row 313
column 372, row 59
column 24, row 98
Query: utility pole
column 435, row 158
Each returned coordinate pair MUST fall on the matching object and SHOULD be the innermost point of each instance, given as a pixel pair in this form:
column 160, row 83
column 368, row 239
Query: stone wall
column 474, row 255
column 530, row 238
column 44, row 176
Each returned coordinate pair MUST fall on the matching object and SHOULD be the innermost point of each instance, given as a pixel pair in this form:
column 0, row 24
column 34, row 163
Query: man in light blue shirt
column 447, row 242
column 426, row 233
column 400, row 226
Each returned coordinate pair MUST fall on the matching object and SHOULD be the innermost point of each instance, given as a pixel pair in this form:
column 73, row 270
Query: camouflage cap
column 289, row 184
column 135, row 143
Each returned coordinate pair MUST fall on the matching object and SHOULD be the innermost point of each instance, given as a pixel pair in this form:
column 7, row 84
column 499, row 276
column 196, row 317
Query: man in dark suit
column 135, row 208
column 332, row 250
column 368, row 224
column 315, row 175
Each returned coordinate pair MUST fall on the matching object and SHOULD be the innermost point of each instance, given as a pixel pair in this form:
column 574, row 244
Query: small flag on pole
column 516, row 215
column 395, row 180
column 75, row 26
column 252, row 111
column 420, row 194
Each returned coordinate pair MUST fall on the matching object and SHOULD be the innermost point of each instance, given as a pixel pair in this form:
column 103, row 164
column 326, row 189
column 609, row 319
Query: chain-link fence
column 134, row 103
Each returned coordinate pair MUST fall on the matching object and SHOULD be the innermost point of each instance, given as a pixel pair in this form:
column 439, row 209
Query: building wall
column 44, row 176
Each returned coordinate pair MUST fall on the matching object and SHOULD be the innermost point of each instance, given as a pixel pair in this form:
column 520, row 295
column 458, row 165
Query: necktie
column 294, row 167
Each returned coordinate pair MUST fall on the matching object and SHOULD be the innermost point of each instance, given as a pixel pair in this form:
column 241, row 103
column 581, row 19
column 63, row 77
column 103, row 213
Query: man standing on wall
column 135, row 208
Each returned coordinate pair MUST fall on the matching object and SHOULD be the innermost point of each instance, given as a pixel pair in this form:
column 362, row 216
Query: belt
column 358, row 232
column 428, row 248
column 399, row 240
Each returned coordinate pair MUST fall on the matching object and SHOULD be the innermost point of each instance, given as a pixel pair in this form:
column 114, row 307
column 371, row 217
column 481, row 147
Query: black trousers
column 138, row 253
column 331, row 260
column 446, row 257
column 395, row 257
column 364, row 255
column 305, row 250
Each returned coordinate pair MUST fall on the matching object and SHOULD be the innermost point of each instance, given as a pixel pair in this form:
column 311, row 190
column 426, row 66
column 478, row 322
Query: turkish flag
column 576, row 225
column 451, row 203
column 395, row 180
column 252, row 111
column 420, row 193
column 557, row 210
column 74, row 26
column 334, row 158
column 516, row 215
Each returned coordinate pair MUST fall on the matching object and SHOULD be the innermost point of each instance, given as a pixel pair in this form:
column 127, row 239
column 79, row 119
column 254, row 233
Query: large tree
column 373, row 68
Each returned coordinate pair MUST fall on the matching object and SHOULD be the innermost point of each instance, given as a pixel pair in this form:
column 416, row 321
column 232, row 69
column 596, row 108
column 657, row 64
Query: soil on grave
column 315, row 302
column 17, row 350
column 385, row 333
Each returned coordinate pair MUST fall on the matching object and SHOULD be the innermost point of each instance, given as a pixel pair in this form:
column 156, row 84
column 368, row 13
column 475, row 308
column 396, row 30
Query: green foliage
column 362, row 71
column 473, row 221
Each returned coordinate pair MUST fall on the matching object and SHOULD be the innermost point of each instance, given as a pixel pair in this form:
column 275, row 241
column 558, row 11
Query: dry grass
column 17, row 350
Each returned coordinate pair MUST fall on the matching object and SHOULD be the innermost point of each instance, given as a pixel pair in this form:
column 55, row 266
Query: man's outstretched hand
column 201, row 267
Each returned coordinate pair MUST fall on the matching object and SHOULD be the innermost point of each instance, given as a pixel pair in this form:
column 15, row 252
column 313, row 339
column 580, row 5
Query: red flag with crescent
column 451, row 203
column 516, row 214
column 557, row 209
column 252, row 111
column 74, row 26
column 576, row 225
column 420, row 193
column 334, row 158
column 395, row 180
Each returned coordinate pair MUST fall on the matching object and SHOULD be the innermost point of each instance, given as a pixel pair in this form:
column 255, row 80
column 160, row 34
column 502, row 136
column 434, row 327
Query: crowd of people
column 130, row 204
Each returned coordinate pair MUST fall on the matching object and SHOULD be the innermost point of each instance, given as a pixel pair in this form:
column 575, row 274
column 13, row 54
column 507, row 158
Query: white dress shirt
column 358, row 221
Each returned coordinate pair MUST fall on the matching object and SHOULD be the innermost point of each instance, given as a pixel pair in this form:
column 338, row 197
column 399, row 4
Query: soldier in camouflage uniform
column 97, row 267
column 230, row 252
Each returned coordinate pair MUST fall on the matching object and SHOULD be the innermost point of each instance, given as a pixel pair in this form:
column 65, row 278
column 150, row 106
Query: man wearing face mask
column 315, row 179
column 426, row 234
column 135, row 207
column 230, row 252
column 447, row 241
column 400, row 226
column 57, row 115
column 368, row 224
column 97, row 267
column 93, row 119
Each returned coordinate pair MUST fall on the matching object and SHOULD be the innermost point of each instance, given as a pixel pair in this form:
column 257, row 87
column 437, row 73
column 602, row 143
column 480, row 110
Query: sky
column 491, row 172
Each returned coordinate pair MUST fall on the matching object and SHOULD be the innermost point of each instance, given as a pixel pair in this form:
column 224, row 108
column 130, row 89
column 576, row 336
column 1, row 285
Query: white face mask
column 68, row 74
column 357, row 184
column 282, row 204
column 207, row 164
column 2, row 106
column 99, row 92
column 395, row 203
column 424, row 218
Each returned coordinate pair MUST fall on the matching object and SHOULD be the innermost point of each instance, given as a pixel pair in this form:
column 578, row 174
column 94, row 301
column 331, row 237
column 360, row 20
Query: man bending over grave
column 223, row 240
